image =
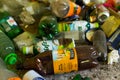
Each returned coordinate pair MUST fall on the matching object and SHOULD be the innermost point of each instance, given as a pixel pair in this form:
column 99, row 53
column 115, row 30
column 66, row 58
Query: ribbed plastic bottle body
column 5, row 74
column 99, row 42
column 48, row 27
column 6, row 46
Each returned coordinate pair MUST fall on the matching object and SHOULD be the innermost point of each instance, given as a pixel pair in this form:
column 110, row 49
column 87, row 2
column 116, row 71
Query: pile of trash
column 49, row 37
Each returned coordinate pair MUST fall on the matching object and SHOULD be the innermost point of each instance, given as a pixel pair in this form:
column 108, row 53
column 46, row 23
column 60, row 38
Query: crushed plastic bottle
column 99, row 42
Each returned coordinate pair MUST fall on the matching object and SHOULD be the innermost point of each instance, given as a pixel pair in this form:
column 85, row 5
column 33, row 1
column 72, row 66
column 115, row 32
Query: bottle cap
column 11, row 58
column 25, row 50
column 14, row 78
column 96, row 24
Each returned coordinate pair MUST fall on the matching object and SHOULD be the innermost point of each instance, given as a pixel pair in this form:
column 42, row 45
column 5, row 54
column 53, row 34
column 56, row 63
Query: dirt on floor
column 101, row 72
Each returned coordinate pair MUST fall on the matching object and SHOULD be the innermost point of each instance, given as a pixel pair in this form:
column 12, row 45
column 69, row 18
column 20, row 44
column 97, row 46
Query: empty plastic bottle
column 9, row 25
column 45, row 45
column 64, row 8
column 7, row 50
column 48, row 27
column 99, row 42
column 6, row 74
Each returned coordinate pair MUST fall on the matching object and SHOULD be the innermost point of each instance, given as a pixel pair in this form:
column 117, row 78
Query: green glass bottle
column 48, row 27
column 9, row 25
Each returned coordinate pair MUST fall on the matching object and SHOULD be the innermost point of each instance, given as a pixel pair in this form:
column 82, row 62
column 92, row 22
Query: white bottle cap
column 32, row 75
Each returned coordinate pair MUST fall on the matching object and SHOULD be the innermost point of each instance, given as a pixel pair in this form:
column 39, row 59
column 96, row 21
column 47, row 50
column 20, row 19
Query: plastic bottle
column 99, row 42
column 62, row 60
column 64, row 8
column 45, row 45
column 7, row 50
column 13, row 7
column 24, row 39
column 48, row 26
column 6, row 74
column 9, row 25
column 32, row 75
column 80, row 25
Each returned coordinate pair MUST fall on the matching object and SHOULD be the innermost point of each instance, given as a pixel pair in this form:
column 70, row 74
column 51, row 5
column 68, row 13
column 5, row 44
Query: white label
column 11, row 21
column 47, row 45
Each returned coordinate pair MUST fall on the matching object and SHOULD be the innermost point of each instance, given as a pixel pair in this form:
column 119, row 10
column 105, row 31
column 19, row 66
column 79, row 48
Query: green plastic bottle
column 7, row 50
column 9, row 25
column 48, row 27
column 77, row 77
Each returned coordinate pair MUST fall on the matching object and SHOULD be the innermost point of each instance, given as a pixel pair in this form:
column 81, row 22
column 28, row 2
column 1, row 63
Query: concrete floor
column 101, row 72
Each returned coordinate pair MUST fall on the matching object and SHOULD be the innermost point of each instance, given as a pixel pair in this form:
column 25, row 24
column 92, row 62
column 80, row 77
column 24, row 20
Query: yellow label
column 65, row 60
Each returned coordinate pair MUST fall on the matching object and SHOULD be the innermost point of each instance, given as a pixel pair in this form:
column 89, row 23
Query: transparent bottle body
column 6, row 46
column 60, row 7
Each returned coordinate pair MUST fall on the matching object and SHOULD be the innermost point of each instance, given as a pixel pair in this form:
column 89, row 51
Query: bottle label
column 47, row 45
column 75, row 26
column 64, row 60
column 73, row 9
column 8, row 24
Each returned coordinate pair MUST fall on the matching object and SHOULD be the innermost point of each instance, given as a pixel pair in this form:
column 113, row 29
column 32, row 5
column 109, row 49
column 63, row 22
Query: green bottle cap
column 24, row 50
column 96, row 25
column 11, row 58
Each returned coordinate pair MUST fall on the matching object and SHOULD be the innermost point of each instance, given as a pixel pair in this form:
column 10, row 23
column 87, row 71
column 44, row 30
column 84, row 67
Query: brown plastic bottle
column 84, row 57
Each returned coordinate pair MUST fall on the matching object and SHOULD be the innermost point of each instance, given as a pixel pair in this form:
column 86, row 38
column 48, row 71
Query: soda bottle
column 45, row 45
column 7, row 49
column 9, row 25
column 6, row 74
column 64, row 8
column 62, row 60
column 80, row 25
column 48, row 26
column 99, row 42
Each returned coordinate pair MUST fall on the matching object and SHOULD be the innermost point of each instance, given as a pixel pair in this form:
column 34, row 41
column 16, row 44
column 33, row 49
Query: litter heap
column 51, row 37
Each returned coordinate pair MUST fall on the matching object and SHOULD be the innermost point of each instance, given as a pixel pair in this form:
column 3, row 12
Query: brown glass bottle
column 44, row 63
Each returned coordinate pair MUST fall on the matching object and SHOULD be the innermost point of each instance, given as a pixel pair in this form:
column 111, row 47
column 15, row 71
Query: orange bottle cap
column 15, row 78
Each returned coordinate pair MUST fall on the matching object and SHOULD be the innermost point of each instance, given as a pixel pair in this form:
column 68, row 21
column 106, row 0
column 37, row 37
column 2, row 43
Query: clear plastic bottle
column 99, row 42
column 80, row 25
column 64, row 8
column 6, row 74
column 7, row 50
column 45, row 45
